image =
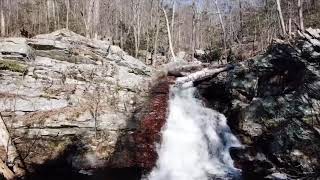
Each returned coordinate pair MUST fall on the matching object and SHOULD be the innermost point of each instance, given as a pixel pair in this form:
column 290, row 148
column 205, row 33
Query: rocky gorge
column 77, row 107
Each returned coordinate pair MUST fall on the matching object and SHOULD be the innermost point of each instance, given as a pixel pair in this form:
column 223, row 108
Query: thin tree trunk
column 57, row 13
column 300, row 3
column 241, row 20
column 54, row 14
column 222, row 26
column 67, row 2
column 121, row 29
column 172, row 20
column 89, row 19
column 138, row 31
column 179, row 36
column 136, row 25
column 194, row 19
column 3, row 22
column 169, row 34
column 96, row 17
column 39, row 20
column 155, row 45
column 47, row 16
column 283, row 27
column 290, row 19
column 136, row 42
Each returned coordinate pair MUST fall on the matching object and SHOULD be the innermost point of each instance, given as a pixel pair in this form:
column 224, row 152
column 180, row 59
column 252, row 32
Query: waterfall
column 195, row 141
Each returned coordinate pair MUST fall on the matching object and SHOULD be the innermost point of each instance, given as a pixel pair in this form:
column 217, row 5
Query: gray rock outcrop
column 273, row 103
column 61, row 90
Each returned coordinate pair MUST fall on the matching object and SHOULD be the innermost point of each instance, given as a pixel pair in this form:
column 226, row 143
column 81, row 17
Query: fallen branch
column 201, row 75
column 5, row 171
column 13, row 157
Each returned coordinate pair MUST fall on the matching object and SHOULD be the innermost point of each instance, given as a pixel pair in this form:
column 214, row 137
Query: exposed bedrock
column 67, row 101
column 273, row 104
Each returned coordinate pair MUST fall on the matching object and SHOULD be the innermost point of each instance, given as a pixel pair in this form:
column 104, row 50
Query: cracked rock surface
column 61, row 90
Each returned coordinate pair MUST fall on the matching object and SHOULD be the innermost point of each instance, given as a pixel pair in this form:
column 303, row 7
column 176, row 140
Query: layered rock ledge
column 63, row 95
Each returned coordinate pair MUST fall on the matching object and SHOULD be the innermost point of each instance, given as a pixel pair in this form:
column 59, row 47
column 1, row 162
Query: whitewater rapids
column 195, row 141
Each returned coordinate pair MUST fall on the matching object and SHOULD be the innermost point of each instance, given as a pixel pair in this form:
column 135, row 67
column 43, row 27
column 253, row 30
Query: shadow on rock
column 62, row 168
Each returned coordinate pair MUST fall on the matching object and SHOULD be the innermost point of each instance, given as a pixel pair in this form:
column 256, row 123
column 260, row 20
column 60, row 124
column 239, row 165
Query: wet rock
column 139, row 148
column 272, row 103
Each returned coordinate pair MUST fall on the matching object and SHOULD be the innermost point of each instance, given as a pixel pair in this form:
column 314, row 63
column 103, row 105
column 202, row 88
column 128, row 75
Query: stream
column 195, row 141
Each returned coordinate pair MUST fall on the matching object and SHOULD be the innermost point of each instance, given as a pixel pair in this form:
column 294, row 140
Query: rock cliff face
column 273, row 104
column 63, row 93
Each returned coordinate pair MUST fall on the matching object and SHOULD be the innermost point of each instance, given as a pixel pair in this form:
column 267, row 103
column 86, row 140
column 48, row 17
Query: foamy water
column 195, row 141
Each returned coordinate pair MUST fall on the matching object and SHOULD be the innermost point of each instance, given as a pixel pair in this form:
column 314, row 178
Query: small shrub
column 211, row 55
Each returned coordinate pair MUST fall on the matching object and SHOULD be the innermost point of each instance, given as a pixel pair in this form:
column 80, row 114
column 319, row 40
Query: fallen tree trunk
column 13, row 157
column 201, row 75
column 5, row 171
column 180, row 70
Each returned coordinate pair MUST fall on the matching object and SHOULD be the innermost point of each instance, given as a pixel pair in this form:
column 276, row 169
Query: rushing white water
column 195, row 141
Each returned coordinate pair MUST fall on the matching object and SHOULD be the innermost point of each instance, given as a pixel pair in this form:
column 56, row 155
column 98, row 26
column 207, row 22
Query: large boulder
column 62, row 93
column 273, row 104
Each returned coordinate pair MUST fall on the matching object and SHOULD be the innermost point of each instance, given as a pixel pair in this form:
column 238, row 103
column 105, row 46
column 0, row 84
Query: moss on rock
column 12, row 66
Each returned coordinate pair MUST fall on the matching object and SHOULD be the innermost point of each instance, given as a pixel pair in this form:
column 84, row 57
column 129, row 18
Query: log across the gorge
column 203, row 74
column 179, row 70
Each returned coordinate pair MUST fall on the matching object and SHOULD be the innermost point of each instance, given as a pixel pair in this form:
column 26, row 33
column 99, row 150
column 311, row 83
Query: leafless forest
column 246, row 26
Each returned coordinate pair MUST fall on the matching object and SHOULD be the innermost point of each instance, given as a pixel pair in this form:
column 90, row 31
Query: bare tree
column 300, row 9
column 89, row 18
column 2, row 19
column 194, row 23
column 224, row 38
column 282, row 24
column 96, row 18
column 67, row 3
column 157, row 20
column 169, row 34
column 172, row 19
column 136, row 24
